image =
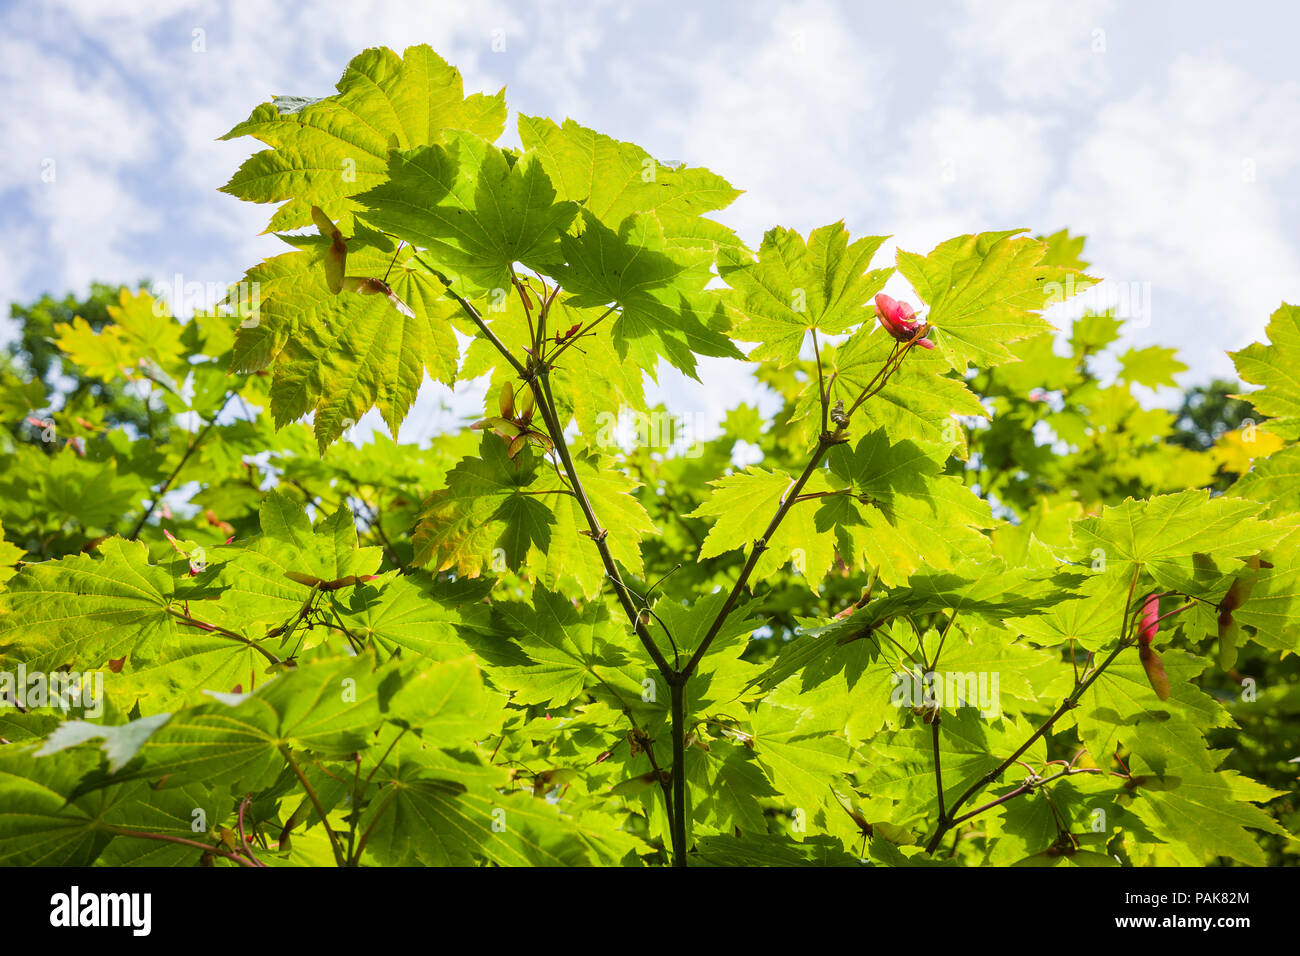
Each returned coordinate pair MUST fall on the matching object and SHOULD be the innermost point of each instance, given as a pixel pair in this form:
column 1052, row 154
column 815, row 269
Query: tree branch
column 475, row 317
column 223, row 632
column 824, row 442
column 938, row 767
column 546, row 403
column 946, row 823
column 315, row 802
column 206, row 848
column 190, row 450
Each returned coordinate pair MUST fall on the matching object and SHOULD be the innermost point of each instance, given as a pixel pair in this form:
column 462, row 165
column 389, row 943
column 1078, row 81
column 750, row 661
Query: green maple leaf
column 17, row 727
column 985, row 292
column 257, row 591
column 10, row 555
column 168, row 812
column 475, row 208
column 564, row 647
column 142, row 330
column 415, row 614
column 44, row 821
column 328, row 706
column 1093, row 619
column 896, row 499
column 614, row 180
column 499, row 514
column 730, row 783
column 666, row 310
column 744, row 503
column 1274, row 605
column 794, row 288
column 338, row 355
column 216, row 743
column 83, row 611
column 1275, row 479
column 1152, row 366
column 18, row 398
column 1207, row 812
column 1274, row 366
column 846, row 685
column 325, row 151
column 1092, row 332
column 331, row 706
column 439, row 810
column 89, row 495
column 1063, row 249
column 445, row 703
column 887, row 473
column 801, row 757
column 1163, row 534
column 477, row 518
column 102, row 355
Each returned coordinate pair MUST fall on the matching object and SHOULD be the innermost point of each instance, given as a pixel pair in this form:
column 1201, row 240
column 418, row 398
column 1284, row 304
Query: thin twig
column 315, row 801
column 192, row 447
column 945, row 823
column 142, row 835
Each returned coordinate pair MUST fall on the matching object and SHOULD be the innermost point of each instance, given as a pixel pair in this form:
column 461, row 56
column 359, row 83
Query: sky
column 1168, row 133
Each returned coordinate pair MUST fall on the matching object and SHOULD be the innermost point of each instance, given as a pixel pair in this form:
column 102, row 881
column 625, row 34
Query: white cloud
column 960, row 171
column 901, row 120
column 71, row 142
column 1162, row 183
column 786, row 107
column 1033, row 51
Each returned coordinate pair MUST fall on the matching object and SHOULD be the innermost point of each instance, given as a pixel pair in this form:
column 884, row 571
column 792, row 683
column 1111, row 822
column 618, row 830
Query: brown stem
column 938, row 767
column 206, row 848
column 945, row 823
column 598, row 534
column 475, row 318
column 223, row 632
column 823, row 397
column 546, row 403
column 1025, row 787
column 315, row 801
column 243, row 840
column 190, row 450
column 677, row 819
column 824, row 442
